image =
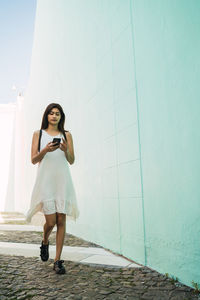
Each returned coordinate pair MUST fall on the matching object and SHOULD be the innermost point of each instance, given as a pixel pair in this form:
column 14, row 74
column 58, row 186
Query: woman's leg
column 48, row 227
column 60, row 234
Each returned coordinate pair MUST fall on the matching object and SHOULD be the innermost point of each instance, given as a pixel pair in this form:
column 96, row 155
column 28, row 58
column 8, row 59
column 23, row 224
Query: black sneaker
column 44, row 251
column 58, row 267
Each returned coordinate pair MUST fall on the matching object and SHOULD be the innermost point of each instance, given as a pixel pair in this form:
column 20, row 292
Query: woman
column 53, row 192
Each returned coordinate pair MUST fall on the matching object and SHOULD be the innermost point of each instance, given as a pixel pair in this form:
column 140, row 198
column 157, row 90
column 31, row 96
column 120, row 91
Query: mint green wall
column 167, row 47
column 126, row 73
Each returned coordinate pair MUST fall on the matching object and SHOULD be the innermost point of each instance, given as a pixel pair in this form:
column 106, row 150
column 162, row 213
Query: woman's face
column 54, row 116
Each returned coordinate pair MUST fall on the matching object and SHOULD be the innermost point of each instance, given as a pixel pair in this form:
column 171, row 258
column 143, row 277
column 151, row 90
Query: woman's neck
column 52, row 128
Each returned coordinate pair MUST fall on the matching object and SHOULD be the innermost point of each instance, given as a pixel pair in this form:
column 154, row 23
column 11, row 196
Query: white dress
column 53, row 190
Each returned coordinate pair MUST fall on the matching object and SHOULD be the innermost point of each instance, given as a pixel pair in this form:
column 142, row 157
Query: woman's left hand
column 64, row 146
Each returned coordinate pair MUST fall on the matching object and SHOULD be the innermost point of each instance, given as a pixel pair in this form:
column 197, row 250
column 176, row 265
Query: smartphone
column 56, row 141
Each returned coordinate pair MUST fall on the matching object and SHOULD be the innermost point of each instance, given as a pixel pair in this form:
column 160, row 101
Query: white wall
column 83, row 59
column 7, row 121
column 12, row 156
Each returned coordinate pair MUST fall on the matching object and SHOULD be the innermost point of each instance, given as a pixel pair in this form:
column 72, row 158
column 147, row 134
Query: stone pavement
column 29, row 278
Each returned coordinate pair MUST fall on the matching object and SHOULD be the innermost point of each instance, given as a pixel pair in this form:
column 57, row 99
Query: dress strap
column 39, row 140
column 65, row 135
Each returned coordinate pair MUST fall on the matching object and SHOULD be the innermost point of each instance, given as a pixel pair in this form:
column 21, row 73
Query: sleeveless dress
column 53, row 190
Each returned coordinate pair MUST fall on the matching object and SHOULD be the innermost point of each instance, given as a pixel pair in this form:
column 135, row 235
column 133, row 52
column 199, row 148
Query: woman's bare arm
column 35, row 155
column 69, row 154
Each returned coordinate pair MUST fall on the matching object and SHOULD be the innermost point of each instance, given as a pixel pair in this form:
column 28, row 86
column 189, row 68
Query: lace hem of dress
column 72, row 212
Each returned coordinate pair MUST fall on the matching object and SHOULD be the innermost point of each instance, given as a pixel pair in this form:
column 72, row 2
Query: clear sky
column 17, row 18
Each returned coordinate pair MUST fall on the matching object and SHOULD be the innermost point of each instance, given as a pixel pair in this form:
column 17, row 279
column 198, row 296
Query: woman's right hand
column 51, row 147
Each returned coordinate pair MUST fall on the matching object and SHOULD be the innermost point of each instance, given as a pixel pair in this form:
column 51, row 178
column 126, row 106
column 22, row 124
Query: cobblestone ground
column 30, row 278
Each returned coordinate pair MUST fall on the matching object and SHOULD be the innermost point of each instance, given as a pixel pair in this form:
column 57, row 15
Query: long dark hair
column 61, row 124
